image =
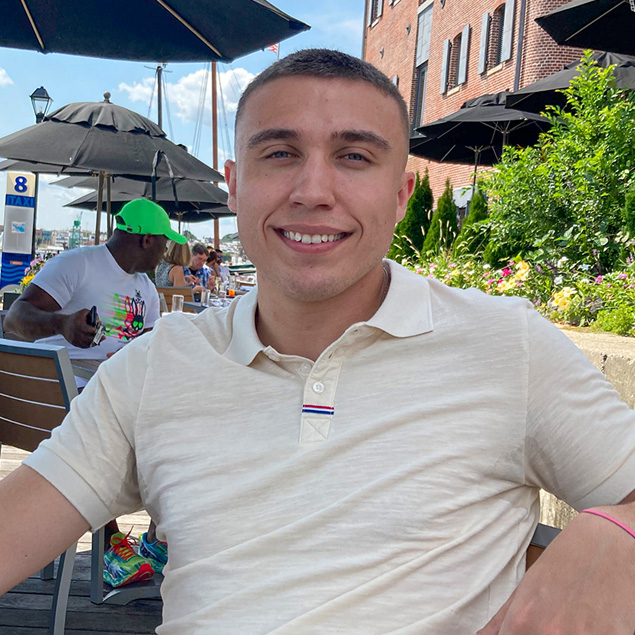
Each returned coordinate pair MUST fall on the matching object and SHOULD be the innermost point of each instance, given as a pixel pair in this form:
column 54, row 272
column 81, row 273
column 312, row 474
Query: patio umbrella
column 604, row 25
column 146, row 30
column 196, row 201
column 477, row 132
column 106, row 139
column 535, row 97
column 40, row 168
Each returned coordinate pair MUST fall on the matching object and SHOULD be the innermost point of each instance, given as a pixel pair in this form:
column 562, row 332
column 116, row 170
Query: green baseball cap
column 142, row 216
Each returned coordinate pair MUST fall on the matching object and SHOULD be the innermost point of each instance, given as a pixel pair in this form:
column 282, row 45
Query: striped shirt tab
column 318, row 410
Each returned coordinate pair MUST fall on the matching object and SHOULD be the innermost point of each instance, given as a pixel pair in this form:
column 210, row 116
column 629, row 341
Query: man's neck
column 306, row 329
column 123, row 256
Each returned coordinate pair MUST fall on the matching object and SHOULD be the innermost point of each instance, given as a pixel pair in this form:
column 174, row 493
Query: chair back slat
column 30, row 365
column 36, row 388
column 24, row 387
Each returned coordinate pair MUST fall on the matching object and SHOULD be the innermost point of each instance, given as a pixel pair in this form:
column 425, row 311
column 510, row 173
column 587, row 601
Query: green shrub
column 410, row 232
column 474, row 233
column 444, row 224
column 620, row 320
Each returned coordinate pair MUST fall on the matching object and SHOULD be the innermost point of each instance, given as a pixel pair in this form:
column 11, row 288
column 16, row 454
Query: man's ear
column 230, row 179
column 147, row 240
column 404, row 194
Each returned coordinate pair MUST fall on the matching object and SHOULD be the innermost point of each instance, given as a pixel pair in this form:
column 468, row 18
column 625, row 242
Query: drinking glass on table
column 177, row 303
column 205, row 297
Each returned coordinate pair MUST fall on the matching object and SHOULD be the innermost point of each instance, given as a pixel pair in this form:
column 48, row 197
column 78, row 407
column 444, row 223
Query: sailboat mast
column 160, row 96
column 215, row 147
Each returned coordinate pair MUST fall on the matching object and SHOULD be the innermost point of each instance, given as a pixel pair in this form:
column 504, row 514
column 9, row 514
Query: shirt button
column 318, row 387
column 305, row 369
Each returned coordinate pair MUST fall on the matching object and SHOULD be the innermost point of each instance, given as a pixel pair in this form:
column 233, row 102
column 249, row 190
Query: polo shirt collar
column 406, row 311
column 245, row 343
column 407, row 308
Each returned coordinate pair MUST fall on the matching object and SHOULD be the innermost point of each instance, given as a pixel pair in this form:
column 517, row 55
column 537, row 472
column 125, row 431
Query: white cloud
column 185, row 94
column 5, row 80
column 139, row 91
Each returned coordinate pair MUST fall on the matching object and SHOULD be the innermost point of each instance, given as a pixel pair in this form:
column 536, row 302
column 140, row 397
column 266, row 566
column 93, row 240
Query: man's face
column 155, row 250
column 318, row 182
column 198, row 260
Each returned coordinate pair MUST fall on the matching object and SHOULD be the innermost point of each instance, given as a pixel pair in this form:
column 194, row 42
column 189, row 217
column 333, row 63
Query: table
column 85, row 368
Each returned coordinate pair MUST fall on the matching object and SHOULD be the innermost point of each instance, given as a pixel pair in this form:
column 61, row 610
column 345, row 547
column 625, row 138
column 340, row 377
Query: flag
column 274, row 48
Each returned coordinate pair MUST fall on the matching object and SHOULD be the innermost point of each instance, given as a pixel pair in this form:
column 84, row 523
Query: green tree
column 565, row 196
column 444, row 224
column 629, row 211
column 475, row 231
column 410, row 232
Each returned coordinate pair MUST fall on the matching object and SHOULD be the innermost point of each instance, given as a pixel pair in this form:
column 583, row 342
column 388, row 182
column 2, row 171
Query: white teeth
column 314, row 239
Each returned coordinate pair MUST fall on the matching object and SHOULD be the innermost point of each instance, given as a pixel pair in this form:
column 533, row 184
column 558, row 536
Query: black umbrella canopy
column 603, row 25
column 103, row 137
column 145, row 30
column 183, row 211
column 537, row 96
column 189, row 193
column 481, row 127
column 40, row 168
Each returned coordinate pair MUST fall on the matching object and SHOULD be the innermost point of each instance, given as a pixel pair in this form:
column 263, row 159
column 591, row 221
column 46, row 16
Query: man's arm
column 584, row 583
column 36, row 314
column 38, row 524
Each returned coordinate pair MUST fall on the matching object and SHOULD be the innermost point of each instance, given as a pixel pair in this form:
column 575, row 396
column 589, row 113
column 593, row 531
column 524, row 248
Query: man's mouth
column 314, row 239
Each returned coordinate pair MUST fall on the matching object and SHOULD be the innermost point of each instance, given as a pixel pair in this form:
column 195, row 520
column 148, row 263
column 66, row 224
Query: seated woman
column 169, row 272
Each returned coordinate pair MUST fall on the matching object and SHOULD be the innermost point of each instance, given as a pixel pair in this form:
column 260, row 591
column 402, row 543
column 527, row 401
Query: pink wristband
column 628, row 530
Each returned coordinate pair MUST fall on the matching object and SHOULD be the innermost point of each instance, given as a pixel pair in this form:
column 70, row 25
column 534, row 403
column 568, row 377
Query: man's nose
column 314, row 184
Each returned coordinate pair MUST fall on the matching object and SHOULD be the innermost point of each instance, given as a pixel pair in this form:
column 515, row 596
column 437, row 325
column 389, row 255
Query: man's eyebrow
column 362, row 136
column 272, row 134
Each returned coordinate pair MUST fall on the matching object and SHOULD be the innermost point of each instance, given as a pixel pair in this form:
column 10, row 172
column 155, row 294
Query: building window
column 453, row 63
column 495, row 46
column 375, row 9
column 496, row 36
column 420, row 95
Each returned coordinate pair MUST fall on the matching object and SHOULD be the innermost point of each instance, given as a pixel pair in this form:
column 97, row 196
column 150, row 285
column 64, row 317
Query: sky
column 334, row 24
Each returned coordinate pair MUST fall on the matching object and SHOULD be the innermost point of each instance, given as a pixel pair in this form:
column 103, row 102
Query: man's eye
column 355, row 156
column 280, row 154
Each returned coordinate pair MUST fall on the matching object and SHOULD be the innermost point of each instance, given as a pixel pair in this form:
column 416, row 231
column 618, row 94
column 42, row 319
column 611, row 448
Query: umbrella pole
column 100, row 202
column 215, row 148
column 477, row 152
column 108, row 216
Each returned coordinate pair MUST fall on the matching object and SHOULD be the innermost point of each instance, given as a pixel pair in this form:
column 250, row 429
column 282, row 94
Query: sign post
column 19, row 228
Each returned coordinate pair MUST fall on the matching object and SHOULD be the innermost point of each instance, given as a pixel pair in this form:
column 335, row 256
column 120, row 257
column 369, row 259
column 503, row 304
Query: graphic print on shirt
column 125, row 317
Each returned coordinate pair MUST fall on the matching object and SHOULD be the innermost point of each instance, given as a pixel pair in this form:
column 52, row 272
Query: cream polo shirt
column 389, row 487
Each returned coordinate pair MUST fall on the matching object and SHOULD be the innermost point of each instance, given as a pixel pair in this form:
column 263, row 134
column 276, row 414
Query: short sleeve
column 90, row 458
column 580, row 436
column 61, row 276
column 153, row 310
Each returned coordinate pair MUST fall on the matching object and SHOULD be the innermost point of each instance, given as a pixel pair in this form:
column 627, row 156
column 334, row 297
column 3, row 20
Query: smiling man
column 380, row 471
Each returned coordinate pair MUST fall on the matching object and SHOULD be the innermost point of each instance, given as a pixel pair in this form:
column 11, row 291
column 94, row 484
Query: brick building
column 442, row 52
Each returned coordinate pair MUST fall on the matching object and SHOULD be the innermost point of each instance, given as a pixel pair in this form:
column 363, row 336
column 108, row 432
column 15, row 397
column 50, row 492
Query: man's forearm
column 31, row 323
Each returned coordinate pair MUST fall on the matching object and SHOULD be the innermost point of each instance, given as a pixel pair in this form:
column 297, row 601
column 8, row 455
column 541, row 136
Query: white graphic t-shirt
column 127, row 304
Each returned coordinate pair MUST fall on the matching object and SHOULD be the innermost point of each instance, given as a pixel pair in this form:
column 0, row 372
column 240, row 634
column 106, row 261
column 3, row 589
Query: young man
column 380, row 471
column 198, row 273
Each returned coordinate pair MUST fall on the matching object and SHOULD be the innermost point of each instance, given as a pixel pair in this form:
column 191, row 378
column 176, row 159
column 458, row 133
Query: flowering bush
column 561, row 291
column 34, row 266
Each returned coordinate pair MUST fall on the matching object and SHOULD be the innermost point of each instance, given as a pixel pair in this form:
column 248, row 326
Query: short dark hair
column 327, row 64
column 199, row 248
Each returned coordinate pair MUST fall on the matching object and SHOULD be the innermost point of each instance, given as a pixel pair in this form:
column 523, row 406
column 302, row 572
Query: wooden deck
column 25, row 609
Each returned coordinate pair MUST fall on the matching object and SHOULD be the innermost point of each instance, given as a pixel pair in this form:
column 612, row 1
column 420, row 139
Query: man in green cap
column 55, row 308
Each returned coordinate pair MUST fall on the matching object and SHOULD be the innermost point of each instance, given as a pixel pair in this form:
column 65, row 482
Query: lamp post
column 41, row 102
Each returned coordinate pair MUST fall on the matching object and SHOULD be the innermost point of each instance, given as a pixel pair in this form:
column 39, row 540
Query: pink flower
column 452, row 265
column 490, row 282
column 507, row 272
column 599, row 279
column 622, row 275
column 431, row 275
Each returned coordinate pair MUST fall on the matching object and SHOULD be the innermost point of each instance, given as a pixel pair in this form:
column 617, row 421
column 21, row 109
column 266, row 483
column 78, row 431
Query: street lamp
column 41, row 101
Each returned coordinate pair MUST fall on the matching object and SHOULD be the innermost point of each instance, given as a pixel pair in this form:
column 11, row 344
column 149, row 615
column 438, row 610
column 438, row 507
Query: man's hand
column 190, row 279
column 76, row 330
column 583, row 584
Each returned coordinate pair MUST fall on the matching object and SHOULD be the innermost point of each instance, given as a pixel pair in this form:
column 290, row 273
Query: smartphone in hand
column 93, row 320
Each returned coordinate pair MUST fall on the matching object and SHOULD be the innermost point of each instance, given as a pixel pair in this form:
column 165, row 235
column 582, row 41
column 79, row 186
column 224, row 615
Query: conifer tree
column 410, row 232
column 470, row 240
column 444, row 225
